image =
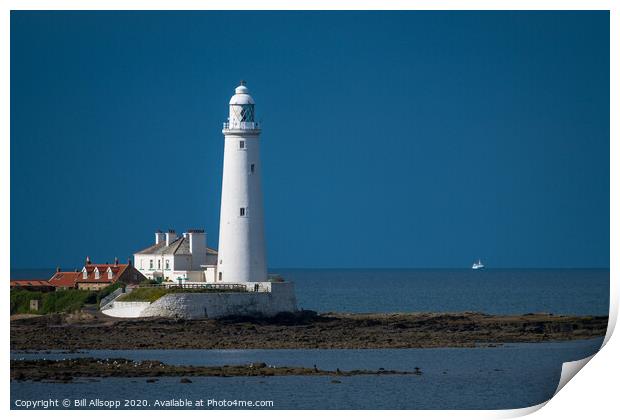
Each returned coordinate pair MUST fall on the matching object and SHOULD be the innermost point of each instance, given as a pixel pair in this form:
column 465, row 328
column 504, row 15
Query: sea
column 482, row 377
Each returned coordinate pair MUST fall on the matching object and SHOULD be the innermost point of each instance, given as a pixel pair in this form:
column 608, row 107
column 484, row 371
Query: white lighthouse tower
column 241, row 256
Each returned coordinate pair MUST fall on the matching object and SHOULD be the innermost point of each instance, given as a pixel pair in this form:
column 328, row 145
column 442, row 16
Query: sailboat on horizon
column 477, row 265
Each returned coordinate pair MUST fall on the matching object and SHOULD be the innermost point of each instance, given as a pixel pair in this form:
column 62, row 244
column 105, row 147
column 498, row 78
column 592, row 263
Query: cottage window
column 220, row 276
column 151, row 264
column 158, row 264
column 167, row 264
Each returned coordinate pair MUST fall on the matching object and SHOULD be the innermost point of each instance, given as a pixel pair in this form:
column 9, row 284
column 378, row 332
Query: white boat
column 477, row 265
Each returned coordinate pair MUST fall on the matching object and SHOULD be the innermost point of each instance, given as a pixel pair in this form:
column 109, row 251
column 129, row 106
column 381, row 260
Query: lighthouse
column 241, row 256
column 186, row 261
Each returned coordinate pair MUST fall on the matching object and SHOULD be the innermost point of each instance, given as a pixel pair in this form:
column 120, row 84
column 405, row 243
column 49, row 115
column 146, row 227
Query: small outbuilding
column 38, row 285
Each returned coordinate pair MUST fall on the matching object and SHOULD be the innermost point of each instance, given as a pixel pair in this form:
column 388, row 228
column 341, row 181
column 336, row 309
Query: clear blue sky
column 400, row 139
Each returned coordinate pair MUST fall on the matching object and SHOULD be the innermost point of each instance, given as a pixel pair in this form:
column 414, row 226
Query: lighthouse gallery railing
column 243, row 125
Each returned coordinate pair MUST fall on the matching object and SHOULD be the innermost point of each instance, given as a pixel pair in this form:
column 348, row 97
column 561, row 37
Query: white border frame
column 596, row 384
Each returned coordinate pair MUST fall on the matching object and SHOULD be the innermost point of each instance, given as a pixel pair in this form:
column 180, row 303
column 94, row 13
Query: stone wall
column 281, row 298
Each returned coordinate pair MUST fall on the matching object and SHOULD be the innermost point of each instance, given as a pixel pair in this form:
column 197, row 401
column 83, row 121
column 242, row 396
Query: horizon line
column 392, row 268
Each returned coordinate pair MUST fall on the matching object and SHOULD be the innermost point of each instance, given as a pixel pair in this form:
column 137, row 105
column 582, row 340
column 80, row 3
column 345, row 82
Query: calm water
column 582, row 292
column 511, row 376
column 490, row 291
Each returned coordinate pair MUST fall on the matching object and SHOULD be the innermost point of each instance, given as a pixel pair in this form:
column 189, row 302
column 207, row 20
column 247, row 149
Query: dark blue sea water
column 505, row 291
column 490, row 291
column 510, row 376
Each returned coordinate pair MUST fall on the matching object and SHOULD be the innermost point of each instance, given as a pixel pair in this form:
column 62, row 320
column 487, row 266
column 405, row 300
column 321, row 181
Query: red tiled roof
column 23, row 283
column 117, row 271
column 71, row 278
column 65, row 278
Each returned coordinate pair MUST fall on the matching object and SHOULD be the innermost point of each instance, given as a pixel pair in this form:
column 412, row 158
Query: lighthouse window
column 247, row 113
column 252, row 168
column 242, row 144
column 242, row 211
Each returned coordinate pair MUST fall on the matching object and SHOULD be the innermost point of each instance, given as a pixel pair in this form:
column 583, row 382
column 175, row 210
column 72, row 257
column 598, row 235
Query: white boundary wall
column 281, row 298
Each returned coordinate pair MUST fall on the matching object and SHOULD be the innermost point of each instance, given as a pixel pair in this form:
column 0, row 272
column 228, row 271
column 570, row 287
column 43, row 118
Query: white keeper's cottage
column 178, row 259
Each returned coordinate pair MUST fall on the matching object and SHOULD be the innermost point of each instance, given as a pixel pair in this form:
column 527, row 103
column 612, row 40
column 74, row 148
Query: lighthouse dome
column 241, row 96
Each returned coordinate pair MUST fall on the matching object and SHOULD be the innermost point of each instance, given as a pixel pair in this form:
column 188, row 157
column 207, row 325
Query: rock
column 185, row 381
column 304, row 329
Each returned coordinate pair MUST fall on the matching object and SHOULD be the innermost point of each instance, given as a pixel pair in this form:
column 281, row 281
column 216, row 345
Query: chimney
column 115, row 261
column 129, row 262
column 171, row 235
column 58, row 269
column 197, row 242
column 159, row 237
column 87, row 260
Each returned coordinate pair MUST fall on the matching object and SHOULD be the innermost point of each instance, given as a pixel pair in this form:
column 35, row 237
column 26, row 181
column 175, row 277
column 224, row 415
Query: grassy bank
column 50, row 302
column 144, row 294
column 151, row 294
column 58, row 301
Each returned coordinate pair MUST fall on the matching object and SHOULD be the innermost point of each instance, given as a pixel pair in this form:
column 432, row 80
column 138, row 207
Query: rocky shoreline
column 70, row 369
column 304, row 330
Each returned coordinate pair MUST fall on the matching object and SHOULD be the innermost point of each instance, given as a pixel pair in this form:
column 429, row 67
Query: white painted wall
column 210, row 273
column 126, row 309
column 218, row 305
column 211, row 305
column 241, row 254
